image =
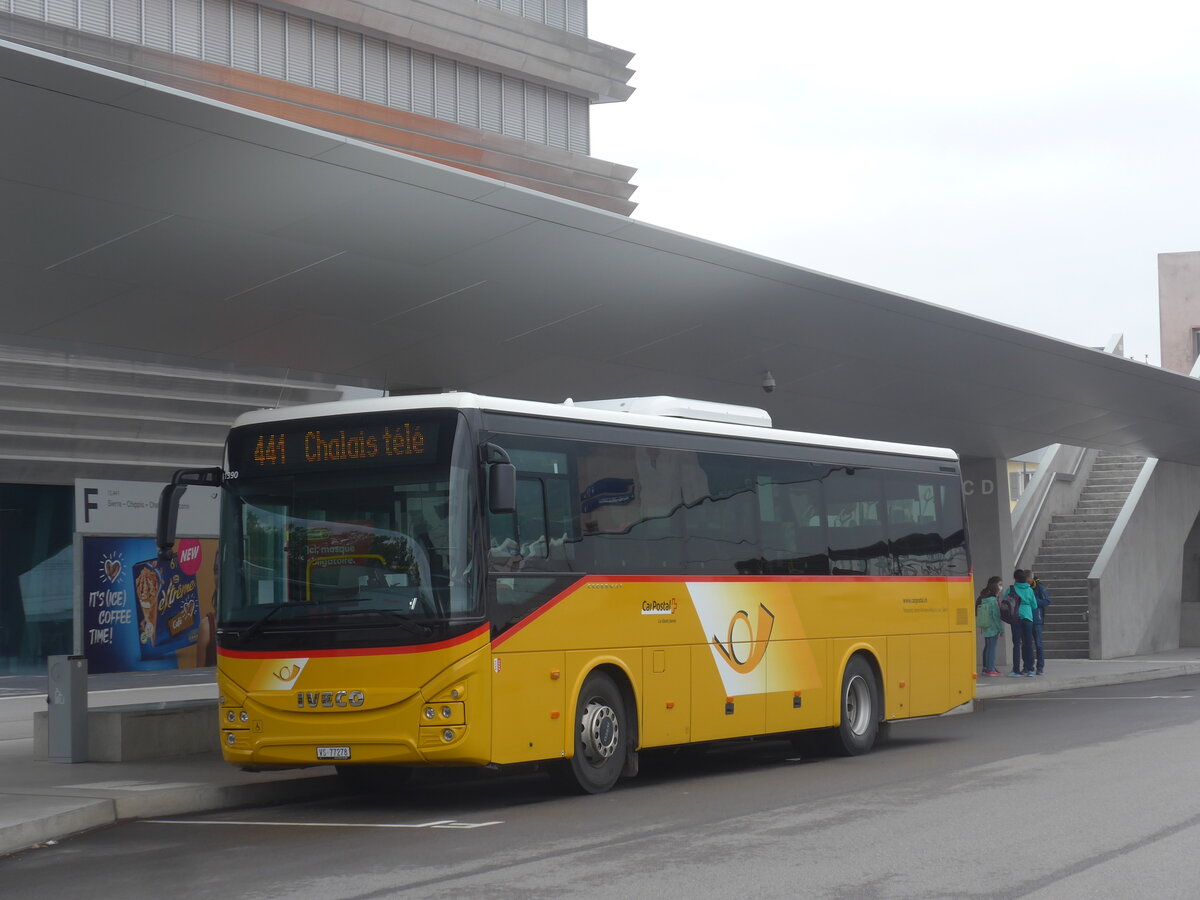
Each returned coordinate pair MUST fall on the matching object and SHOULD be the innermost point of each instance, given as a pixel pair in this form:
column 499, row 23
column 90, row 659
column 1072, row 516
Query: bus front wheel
column 601, row 735
column 860, row 710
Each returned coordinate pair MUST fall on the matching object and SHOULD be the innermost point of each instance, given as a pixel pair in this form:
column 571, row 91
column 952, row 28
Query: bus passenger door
column 666, row 696
column 528, row 705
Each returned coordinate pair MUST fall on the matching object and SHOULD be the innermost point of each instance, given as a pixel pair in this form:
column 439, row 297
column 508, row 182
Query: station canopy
column 138, row 217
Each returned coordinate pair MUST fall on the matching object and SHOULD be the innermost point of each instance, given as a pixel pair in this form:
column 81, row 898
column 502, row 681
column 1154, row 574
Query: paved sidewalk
column 44, row 801
column 1063, row 674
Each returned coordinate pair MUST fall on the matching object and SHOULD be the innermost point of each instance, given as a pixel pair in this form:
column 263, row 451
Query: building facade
column 500, row 88
column 1179, row 310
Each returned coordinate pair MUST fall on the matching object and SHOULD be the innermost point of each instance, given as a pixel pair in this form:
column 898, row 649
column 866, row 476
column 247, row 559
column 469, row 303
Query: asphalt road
column 1088, row 793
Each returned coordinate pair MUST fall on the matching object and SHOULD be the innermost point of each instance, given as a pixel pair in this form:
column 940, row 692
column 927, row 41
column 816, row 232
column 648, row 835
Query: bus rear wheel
column 860, row 710
column 601, row 735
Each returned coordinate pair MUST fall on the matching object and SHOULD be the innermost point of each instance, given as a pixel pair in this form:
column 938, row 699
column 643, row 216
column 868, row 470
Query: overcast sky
column 1024, row 162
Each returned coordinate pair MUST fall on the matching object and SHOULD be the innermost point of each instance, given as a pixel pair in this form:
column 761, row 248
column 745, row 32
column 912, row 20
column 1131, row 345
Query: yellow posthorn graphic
column 758, row 649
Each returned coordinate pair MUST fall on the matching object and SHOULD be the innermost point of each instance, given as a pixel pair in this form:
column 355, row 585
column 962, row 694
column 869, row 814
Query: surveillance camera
column 768, row 383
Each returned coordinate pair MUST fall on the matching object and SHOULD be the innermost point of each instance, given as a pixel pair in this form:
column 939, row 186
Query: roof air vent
column 681, row 408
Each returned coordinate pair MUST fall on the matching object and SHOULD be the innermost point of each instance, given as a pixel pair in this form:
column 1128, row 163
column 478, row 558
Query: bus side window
column 516, row 537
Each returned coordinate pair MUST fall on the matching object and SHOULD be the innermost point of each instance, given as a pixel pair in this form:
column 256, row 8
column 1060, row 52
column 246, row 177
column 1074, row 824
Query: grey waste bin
column 67, row 709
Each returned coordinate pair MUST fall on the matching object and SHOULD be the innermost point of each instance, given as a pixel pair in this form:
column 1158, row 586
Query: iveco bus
column 458, row 580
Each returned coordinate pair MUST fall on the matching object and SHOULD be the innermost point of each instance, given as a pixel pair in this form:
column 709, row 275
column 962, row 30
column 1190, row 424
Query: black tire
column 374, row 779
column 601, row 736
column 860, row 709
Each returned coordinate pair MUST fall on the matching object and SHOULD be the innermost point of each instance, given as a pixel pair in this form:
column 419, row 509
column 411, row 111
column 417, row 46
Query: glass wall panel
column 36, row 566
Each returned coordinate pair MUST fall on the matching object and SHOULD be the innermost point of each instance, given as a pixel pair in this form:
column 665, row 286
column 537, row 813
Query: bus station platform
column 43, row 802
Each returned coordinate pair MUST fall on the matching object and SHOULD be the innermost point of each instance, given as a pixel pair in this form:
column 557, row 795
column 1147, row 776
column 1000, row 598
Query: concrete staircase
column 1070, row 548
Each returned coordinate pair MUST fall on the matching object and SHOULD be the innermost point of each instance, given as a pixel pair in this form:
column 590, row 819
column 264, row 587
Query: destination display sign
column 315, row 445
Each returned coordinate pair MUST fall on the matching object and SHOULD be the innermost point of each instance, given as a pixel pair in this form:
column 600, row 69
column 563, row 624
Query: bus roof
column 686, row 417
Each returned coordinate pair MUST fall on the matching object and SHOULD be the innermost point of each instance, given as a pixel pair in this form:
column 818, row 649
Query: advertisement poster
column 141, row 614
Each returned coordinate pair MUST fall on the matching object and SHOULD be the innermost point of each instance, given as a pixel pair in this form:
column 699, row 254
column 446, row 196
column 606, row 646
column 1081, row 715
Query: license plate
column 333, row 753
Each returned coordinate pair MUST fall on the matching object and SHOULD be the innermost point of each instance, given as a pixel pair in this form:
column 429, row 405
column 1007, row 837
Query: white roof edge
column 583, row 412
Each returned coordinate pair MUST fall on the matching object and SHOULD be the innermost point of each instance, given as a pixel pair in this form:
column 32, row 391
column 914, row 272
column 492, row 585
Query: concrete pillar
column 989, row 524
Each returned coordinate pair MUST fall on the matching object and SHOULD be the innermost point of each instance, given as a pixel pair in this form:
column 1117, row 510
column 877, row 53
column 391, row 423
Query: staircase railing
column 1053, row 490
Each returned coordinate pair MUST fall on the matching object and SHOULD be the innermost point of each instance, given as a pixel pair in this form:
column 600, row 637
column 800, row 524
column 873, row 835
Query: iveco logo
column 329, row 699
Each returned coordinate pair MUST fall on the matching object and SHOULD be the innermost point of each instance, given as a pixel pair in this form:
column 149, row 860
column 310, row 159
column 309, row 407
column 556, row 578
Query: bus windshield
column 378, row 554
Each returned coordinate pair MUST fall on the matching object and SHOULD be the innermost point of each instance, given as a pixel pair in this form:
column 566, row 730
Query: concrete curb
column 46, row 814
column 26, row 821
column 1022, row 687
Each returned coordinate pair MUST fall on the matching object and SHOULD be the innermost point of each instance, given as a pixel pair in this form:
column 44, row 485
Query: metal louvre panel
column 468, row 95
column 30, row 8
column 494, row 4
column 399, row 77
column 577, row 120
column 375, row 82
column 127, row 20
column 245, row 36
column 62, row 12
column 325, row 55
column 299, row 50
column 94, row 16
column 490, row 103
column 535, row 9
column 188, row 24
column 556, row 14
column 535, row 113
column 445, row 84
column 272, row 42
column 422, row 83
column 216, row 31
column 511, row 6
column 159, row 24
column 5, row 6
column 577, row 17
column 514, row 106
column 556, row 115
column 350, row 64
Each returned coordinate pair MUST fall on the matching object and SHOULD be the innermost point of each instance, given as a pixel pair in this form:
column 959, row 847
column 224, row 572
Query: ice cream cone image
column 147, row 587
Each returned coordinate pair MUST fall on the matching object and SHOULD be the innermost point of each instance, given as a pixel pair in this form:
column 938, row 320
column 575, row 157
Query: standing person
column 987, row 617
column 1039, row 621
column 1022, row 628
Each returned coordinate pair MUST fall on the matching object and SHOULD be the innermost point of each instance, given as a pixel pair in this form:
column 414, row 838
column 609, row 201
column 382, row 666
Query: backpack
column 1043, row 600
column 1010, row 603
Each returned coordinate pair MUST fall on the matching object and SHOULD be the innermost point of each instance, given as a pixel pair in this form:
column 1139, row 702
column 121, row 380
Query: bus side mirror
column 502, row 488
column 168, row 504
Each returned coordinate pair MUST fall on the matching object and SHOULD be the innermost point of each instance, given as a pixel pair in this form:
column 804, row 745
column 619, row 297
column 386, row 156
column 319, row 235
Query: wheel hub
column 600, row 733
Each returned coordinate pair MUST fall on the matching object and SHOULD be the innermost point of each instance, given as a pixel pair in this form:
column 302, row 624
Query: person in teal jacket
column 1022, row 629
column 987, row 617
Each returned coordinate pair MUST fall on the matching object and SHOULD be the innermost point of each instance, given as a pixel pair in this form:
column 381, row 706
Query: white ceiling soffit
column 134, row 216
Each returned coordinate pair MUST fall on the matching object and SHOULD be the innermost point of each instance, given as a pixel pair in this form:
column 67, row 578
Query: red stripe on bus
column 360, row 651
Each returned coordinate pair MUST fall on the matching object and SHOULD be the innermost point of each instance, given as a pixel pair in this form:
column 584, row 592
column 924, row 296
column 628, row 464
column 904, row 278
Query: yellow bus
column 458, row 580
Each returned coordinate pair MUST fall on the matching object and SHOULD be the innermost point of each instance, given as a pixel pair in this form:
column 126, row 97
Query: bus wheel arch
column 860, row 706
column 603, row 731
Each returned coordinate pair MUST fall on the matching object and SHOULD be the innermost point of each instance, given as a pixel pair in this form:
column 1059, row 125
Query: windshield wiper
column 257, row 625
column 415, row 628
